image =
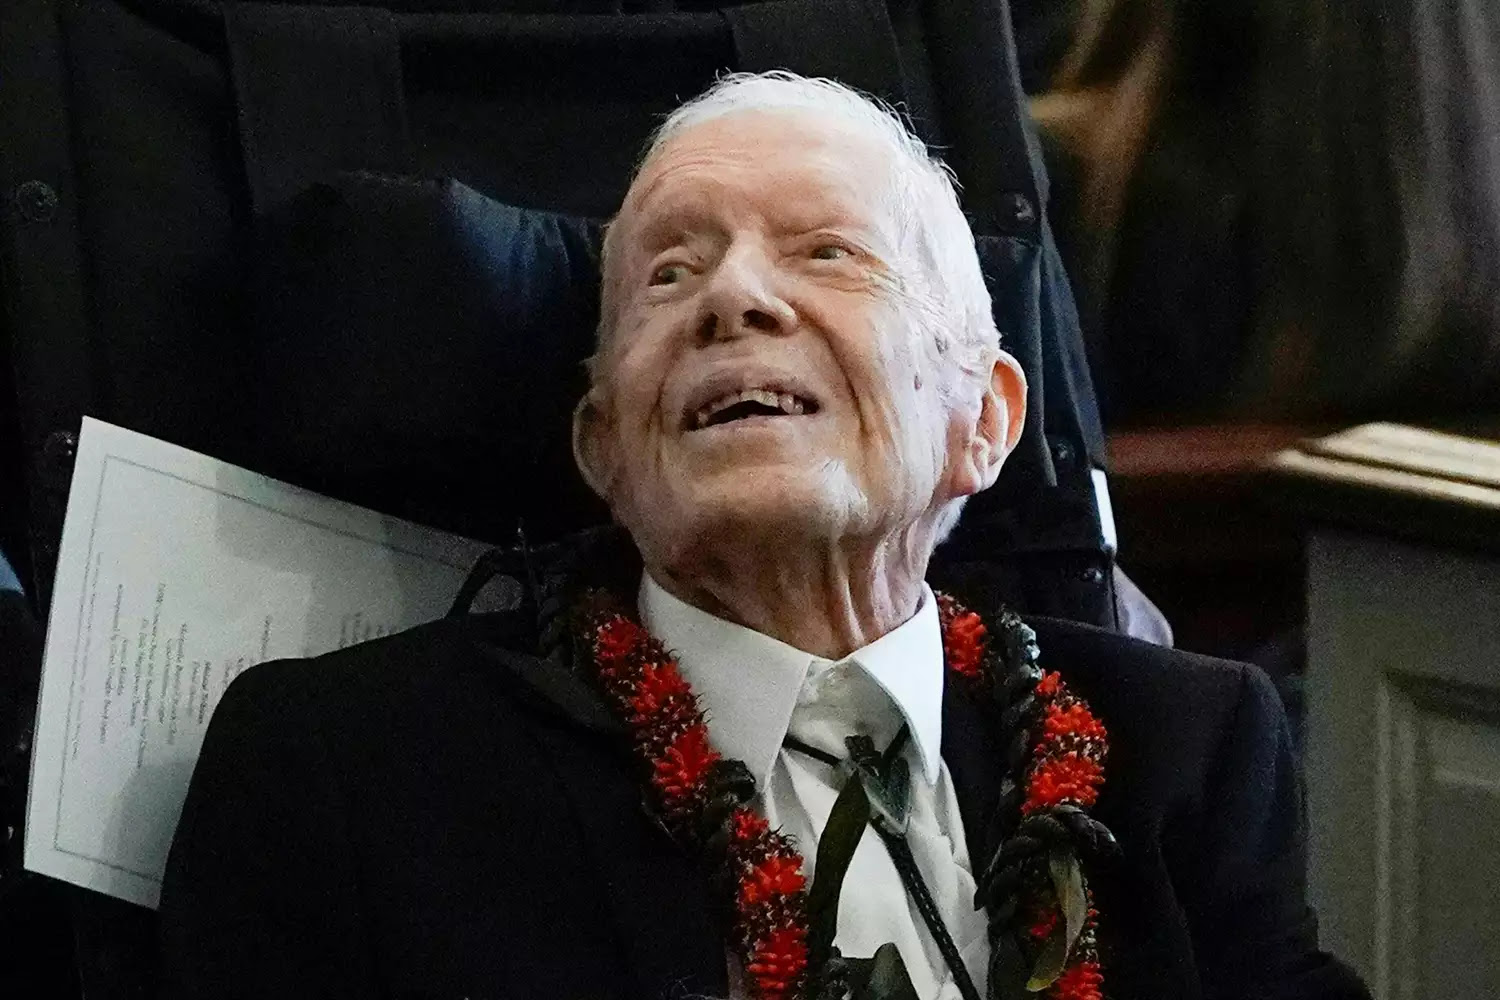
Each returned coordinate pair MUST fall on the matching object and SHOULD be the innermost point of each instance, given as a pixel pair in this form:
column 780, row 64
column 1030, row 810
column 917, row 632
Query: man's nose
column 741, row 299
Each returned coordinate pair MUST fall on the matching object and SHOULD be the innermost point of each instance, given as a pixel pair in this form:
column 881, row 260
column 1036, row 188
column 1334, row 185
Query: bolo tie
column 886, row 779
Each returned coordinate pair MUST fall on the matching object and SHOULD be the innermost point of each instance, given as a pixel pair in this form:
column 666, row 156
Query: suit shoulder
column 425, row 680
column 1173, row 716
column 1096, row 656
column 392, row 668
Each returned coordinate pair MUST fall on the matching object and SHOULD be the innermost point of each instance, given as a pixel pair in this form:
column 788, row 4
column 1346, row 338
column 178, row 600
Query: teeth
column 783, row 401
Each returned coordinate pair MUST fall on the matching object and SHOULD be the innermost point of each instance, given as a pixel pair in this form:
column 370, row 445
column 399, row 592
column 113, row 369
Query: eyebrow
column 678, row 209
column 667, row 228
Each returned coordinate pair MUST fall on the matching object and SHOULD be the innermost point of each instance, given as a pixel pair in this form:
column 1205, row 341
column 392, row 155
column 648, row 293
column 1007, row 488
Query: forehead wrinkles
column 792, row 167
column 664, row 180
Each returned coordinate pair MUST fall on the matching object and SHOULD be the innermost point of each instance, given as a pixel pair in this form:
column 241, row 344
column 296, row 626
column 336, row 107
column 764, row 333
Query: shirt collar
column 907, row 662
column 748, row 683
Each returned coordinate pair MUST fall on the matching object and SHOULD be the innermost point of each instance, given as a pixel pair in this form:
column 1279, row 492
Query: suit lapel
column 972, row 750
column 665, row 926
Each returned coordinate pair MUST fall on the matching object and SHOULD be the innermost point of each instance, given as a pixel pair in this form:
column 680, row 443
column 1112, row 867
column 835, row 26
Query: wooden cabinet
column 1403, row 762
column 1403, row 716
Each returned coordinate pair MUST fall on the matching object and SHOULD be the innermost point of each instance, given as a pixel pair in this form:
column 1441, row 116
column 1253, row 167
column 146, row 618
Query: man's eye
column 669, row 274
column 830, row 251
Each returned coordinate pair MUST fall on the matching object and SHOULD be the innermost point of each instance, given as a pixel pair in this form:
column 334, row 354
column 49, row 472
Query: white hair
column 944, row 288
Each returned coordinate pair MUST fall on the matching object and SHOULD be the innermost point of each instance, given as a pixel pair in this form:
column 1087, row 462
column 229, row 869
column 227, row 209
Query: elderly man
column 741, row 748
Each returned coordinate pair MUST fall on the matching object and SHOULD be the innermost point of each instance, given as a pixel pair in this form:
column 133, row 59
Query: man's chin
column 763, row 508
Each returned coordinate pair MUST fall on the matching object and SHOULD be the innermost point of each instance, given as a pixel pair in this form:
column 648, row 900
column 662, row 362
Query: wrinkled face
column 763, row 369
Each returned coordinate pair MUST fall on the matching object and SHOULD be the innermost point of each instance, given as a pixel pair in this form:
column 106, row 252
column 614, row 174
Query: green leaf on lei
column 1050, row 962
column 1067, row 882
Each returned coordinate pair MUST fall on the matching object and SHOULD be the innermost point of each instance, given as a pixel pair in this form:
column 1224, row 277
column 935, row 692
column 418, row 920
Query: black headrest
column 419, row 348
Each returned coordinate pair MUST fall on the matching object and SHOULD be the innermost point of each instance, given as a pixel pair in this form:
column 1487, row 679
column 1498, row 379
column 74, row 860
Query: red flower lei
column 641, row 682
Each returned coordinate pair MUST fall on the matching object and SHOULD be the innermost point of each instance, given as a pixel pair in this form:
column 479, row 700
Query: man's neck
column 825, row 601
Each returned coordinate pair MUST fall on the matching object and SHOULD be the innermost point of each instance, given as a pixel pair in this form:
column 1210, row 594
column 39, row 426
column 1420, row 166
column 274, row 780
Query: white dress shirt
column 754, row 689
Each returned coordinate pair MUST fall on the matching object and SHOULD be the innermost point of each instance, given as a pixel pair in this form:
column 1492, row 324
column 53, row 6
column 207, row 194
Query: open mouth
column 744, row 404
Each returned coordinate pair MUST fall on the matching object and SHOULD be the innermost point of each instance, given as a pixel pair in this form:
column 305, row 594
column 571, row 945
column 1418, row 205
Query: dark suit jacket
column 438, row 815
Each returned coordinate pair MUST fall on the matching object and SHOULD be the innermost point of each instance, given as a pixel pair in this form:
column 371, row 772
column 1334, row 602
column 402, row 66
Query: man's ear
column 1002, row 415
column 594, row 443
